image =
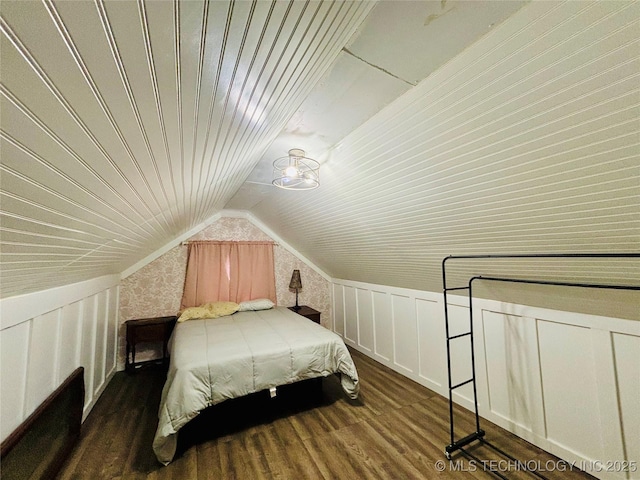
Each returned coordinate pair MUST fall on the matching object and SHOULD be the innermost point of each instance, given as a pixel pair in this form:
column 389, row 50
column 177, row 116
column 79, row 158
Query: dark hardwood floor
column 397, row 429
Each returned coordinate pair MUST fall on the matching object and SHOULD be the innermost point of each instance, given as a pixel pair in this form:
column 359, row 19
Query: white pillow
column 257, row 304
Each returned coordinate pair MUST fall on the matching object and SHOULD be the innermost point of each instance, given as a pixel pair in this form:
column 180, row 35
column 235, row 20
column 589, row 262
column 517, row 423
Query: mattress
column 213, row 360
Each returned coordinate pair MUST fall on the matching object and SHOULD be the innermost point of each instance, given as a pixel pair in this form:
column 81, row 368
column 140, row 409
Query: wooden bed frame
column 40, row 445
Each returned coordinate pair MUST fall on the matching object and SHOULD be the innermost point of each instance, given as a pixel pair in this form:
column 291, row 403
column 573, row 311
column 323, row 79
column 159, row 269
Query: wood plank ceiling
column 127, row 124
column 526, row 142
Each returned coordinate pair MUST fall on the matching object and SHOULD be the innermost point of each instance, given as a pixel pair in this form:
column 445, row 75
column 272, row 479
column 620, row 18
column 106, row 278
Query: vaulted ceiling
column 443, row 128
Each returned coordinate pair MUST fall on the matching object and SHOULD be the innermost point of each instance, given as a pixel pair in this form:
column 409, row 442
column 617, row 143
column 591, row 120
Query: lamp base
column 296, row 308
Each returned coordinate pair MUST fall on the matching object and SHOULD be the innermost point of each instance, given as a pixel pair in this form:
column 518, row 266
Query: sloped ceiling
column 526, row 142
column 126, row 124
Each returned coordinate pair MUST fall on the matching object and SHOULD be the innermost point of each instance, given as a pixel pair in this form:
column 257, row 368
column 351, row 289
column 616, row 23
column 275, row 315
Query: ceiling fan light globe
column 291, row 172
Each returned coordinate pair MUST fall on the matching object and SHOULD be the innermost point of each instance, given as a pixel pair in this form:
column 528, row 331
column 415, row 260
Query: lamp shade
column 295, row 283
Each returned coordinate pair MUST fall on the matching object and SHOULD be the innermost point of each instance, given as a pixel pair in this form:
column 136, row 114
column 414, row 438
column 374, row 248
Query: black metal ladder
column 479, row 434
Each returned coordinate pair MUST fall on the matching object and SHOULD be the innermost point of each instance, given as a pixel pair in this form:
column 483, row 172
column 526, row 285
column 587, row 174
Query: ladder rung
column 458, row 336
column 461, row 384
column 456, row 288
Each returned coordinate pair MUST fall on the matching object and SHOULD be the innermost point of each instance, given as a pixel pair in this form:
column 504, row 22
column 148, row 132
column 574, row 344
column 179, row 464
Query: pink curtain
column 228, row 271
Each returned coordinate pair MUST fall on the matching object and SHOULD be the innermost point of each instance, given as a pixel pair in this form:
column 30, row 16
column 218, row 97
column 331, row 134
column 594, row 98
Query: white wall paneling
column 512, row 373
column 351, row 311
column 607, row 393
column 338, row 309
column 382, row 326
column 432, row 352
column 564, row 381
column 88, row 345
column 46, row 335
column 568, row 379
column 626, row 354
column 405, row 348
column 100, row 338
column 365, row 322
column 112, row 340
column 70, row 340
column 43, row 350
column 13, row 367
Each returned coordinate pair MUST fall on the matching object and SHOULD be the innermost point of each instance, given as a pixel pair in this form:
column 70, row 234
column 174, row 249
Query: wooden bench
column 40, row 445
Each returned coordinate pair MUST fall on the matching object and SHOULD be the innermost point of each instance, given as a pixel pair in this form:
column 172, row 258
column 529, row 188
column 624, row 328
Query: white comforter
column 213, row 360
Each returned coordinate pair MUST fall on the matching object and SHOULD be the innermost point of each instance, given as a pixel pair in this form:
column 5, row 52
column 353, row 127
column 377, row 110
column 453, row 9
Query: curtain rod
column 187, row 242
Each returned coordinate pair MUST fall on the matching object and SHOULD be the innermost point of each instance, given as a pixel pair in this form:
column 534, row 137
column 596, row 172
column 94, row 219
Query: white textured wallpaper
column 156, row 289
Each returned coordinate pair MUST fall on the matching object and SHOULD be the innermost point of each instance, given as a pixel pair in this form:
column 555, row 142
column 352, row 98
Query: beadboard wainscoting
column 567, row 382
column 46, row 335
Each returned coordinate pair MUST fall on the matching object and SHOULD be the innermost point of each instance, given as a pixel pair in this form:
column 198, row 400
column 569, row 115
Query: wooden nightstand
column 148, row 330
column 310, row 313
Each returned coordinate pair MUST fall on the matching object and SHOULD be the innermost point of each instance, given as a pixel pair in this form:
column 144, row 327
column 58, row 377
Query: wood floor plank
column 208, row 461
column 282, row 461
column 311, row 423
column 329, row 455
column 238, row 463
column 397, row 429
column 380, row 451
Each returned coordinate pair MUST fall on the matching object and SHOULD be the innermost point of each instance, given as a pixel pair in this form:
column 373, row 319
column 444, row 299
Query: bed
column 213, row 360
